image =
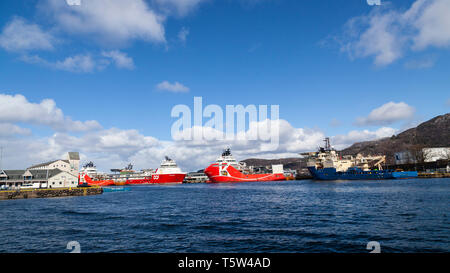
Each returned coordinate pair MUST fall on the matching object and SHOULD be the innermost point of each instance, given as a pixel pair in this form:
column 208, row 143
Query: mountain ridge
column 434, row 133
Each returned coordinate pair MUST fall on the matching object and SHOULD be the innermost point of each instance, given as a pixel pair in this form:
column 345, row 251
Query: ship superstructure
column 89, row 175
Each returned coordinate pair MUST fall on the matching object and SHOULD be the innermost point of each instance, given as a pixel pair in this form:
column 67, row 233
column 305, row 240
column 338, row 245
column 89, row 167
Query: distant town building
column 405, row 157
column 37, row 179
column 71, row 164
column 435, row 154
column 59, row 173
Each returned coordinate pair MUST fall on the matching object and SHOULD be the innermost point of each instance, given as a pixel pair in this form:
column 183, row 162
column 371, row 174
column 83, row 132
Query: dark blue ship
column 326, row 164
column 358, row 174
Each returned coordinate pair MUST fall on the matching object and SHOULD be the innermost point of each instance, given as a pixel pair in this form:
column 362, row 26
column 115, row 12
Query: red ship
column 167, row 173
column 88, row 175
column 227, row 169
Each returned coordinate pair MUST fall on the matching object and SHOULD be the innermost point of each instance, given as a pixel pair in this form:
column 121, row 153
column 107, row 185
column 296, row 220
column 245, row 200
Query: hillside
column 430, row 134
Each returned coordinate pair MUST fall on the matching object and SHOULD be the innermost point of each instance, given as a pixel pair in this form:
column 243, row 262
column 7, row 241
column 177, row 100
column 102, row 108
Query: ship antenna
column 327, row 144
column 1, row 157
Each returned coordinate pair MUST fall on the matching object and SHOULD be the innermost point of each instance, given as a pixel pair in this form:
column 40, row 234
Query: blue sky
column 326, row 63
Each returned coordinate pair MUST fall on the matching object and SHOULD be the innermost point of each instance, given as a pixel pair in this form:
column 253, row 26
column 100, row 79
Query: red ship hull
column 224, row 173
column 101, row 183
column 159, row 179
column 155, row 179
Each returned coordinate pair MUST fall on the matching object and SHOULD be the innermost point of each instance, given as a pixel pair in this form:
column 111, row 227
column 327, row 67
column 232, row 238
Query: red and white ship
column 227, row 169
column 89, row 175
column 167, row 173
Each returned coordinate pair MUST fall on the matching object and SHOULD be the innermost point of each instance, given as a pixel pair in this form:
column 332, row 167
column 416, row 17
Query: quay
column 50, row 193
column 434, row 175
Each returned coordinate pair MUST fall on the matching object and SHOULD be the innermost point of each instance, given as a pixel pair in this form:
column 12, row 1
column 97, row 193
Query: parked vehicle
column 29, row 186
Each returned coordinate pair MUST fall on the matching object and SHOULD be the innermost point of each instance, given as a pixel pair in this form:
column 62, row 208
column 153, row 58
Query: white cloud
column 109, row 21
column 20, row 36
column 387, row 34
column 8, row 129
column 84, row 63
column 77, row 63
column 182, row 35
column 17, row 109
column 432, row 23
column 344, row 141
column 387, row 114
column 172, row 87
column 379, row 39
column 121, row 59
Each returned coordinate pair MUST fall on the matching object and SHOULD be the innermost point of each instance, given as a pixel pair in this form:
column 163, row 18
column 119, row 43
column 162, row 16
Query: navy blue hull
column 331, row 174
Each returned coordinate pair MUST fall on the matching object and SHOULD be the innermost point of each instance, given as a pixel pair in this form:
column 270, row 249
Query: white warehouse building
column 71, row 164
column 61, row 173
column 435, row 154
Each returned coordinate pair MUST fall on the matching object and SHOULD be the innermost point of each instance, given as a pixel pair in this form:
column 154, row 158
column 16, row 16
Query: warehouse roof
column 36, row 174
column 47, row 163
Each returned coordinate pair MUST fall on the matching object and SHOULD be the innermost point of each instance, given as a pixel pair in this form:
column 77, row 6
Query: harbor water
column 290, row 216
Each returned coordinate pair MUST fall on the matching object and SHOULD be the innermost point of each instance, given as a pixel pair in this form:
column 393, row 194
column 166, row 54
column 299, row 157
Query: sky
column 102, row 77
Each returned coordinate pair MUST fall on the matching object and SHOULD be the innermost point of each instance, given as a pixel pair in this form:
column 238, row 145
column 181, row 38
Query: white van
column 29, row 186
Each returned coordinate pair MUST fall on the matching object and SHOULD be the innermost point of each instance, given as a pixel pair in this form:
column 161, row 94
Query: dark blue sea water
column 292, row 216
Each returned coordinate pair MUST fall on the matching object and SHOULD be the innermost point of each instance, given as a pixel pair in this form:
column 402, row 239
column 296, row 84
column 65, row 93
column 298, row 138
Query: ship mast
column 327, row 144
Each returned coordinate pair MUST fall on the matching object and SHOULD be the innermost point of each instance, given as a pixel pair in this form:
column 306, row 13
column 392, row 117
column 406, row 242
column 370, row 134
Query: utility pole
column 1, row 158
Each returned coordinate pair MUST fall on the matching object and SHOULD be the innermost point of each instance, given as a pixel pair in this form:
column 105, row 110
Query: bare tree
column 417, row 154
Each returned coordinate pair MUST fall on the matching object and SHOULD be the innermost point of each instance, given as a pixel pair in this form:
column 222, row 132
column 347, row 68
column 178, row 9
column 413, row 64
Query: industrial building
column 425, row 155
